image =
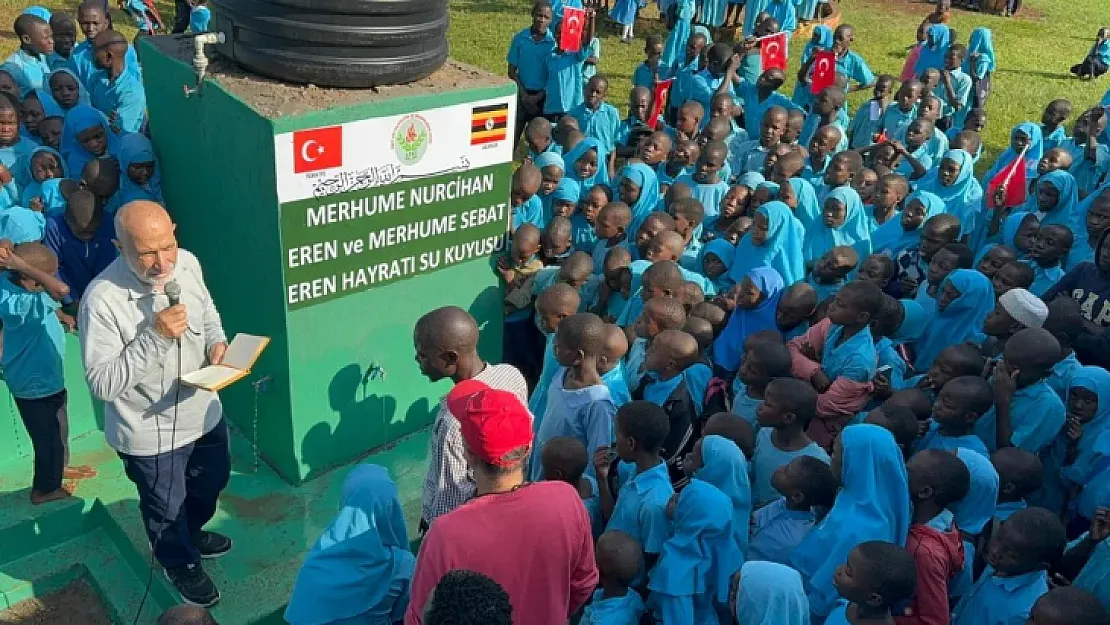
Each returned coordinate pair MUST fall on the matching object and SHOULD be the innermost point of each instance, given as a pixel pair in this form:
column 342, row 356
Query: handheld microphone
column 173, row 292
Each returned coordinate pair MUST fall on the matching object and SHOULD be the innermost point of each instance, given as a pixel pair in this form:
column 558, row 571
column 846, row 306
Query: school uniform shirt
column 754, row 108
column 855, row 68
column 961, row 85
column 937, row 146
column 34, row 70
column 709, row 194
column 744, row 405
column 122, row 96
column 746, row 157
column 777, row 530
column 564, row 80
column 1088, row 174
column 600, row 124
column 839, row 614
column 1044, row 278
column 530, row 58
column 1001, row 600
column 895, row 121
column 824, row 291
column 1055, row 138
column 1007, row 509
column 80, row 261
column 814, row 123
column 1036, row 417
column 530, row 212
column 866, row 123
column 768, row 458
column 34, row 342
column 585, row 414
column 642, row 76
column 938, row 553
column 543, row 524
column 703, row 85
column 1059, row 379
column 625, row 610
column 1095, row 575
column 922, row 155
column 592, row 51
column 933, row 439
column 641, row 509
column 83, row 62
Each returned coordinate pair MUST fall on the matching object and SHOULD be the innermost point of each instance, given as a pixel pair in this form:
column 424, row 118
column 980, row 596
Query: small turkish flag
column 317, row 149
column 824, row 71
column 570, row 33
column 1012, row 179
column 658, row 101
column 772, row 52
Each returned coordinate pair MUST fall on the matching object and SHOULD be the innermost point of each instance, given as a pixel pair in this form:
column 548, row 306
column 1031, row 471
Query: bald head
column 449, row 328
column 110, row 39
column 101, row 176
column 145, row 234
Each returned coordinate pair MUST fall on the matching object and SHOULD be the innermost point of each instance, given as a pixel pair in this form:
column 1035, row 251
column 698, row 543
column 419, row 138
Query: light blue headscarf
column 585, row 145
column 1093, row 452
column 962, row 320
column 915, row 320
column 973, row 512
column 365, row 548
column 964, row 197
column 771, row 594
column 644, row 177
column 729, row 346
column 724, row 466
column 1032, row 155
column 782, row 251
column 1095, row 576
column 38, row 11
column 567, row 191
column 18, row 76
column 34, row 188
column 808, row 212
column 854, row 232
column 1066, row 212
column 78, row 119
column 873, row 504
column 937, row 40
column 1010, row 228
column 136, row 148
column 22, row 225
column 981, row 43
column 725, row 251
column 892, row 238
column 700, row 556
column 47, row 93
column 547, row 159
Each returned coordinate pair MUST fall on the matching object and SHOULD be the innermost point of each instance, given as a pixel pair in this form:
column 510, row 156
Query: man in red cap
column 532, row 538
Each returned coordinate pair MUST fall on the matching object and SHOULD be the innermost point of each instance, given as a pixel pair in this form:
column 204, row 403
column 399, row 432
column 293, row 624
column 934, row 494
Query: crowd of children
column 883, row 376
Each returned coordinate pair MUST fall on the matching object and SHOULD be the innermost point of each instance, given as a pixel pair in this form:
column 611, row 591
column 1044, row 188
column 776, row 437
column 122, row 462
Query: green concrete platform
column 98, row 533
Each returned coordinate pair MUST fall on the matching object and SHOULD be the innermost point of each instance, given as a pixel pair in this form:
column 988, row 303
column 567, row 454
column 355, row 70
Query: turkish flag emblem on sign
column 824, row 71
column 317, row 149
column 772, row 52
column 570, row 35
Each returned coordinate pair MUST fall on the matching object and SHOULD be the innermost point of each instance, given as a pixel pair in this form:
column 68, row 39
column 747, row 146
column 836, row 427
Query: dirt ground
column 76, row 604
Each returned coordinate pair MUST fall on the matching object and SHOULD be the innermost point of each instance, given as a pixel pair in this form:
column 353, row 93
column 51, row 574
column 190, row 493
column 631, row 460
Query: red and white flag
column 658, row 101
column 321, row 148
column 570, row 31
column 1012, row 179
column 772, row 52
column 824, row 71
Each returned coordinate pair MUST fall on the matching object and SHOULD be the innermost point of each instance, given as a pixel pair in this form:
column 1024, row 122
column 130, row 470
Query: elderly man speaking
column 172, row 438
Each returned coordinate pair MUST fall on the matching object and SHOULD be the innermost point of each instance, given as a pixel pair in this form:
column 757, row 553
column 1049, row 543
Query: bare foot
column 79, row 472
column 66, row 490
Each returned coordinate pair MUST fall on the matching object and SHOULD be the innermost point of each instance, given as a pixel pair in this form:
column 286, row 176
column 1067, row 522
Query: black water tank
column 334, row 43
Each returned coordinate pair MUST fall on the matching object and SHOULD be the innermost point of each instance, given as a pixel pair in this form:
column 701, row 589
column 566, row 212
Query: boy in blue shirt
column 1051, row 246
column 611, row 364
column 868, row 121
column 527, row 59
column 688, row 215
column 524, row 198
column 117, row 90
column 848, row 63
column 1052, row 123
column 93, row 18
column 564, row 460
column 705, row 182
column 564, row 74
column 81, row 238
column 807, row 489
column 36, row 44
column 788, row 407
column 763, row 359
column 578, row 402
column 1020, row 474
column 34, row 347
column 668, row 356
column 618, row 564
column 651, row 70
column 64, row 29
column 876, row 576
column 538, row 135
column 641, row 509
column 748, row 154
column 611, row 227
column 960, row 403
column 635, row 128
column 954, row 89
column 1020, row 553
column 597, row 118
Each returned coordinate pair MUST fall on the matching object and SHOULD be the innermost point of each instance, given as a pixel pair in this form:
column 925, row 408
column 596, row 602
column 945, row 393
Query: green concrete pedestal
column 330, row 220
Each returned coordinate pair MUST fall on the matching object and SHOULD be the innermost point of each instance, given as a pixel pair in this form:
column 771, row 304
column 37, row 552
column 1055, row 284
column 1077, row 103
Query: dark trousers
column 180, row 488
column 529, row 105
column 42, row 418
column 181, row 11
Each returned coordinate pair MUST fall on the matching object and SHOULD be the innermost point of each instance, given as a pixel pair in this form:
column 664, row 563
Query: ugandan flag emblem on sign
column 489, row 124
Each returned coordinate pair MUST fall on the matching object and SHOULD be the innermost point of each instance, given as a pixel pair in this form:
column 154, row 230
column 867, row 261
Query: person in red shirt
column 938, row 479
column 532, row 539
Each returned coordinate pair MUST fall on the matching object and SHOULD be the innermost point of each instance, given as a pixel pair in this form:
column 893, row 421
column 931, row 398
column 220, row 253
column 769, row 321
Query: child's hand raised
column 1100, row 526
column 5, row 175
column 1000, row 197
column 1074, row 430
column 9, row 260
column 36, row 204
column 602, row 463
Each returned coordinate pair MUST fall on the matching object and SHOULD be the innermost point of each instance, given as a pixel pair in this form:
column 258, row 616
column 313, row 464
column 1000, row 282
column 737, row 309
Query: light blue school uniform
column 1001, row 600
column 592, row 51
column 34, row 68
column 1007, row 509
column 746, row 156
column 83, row 62
column 778, row 530
column 697, row 562
column 938, row 37
column 625, row 610
column 922, row 155
column 768, row 458
column 1044, row 278
column 643, row 77
column 866, row 123
column 618, row 388
column 35, row 188
column 729, row 346
column 634, row 360
column 873, row 504
column 601, row 176
column 1067, row 211
column 771, row 594
column 564, row 80
column 895, row 121
column 361, row 567
column 888, row 356
column 963, row 198
column 962, row 320
column 754, row 108
column 702, row 86
column 726, row 468
column 973, row 512
column 601, row 124
column 530, row 58
column 961, row 85
column 601, row 249
column 853, row 232
column 1093, row 457
column 582, row 234
column 136, row 148
column 80, row 118
column 933, row 439
column 852, row 65
column 22, row 225
column 814, row 123
column 122, row 96
column 530, row 212
column 743, row 405
column 683, row 73
column 1055, row 138
column 1088, row 174
column 1032, row 155
column 824, row 291
column 709, row 194
column 822, row 39
column 641, row 510
column 1036, row 415
column 938, row 147
column 782, row 250
column 537, row 403
column 1095, row 575
column 585, row 414
column 34, row 342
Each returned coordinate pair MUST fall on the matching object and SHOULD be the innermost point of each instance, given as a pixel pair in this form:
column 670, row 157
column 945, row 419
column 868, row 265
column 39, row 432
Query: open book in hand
column 238, row 360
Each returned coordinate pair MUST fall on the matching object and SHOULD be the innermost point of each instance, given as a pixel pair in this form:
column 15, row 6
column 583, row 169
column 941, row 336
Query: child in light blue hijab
column 844, row 222
column 980, row 65
column 937, row 40
column 953, row 181
column 587, row 163
column 873, row 504
column 759, row 294
column 1082, row 449
column 360, row 568
column 775, row 241
column 1026, row 136
column 86, row 136
column 822, row 39
column 966, row 298
column 1057, row 200
column 718, row 461
column 697, row 563
column 140, row 176
column 716, row 260
column 898, row 235
column 44, row 165
column 770, row 594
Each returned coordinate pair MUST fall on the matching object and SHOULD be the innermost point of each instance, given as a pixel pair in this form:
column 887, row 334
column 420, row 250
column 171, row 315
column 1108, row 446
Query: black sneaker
column 194, row 585
column 211, row 544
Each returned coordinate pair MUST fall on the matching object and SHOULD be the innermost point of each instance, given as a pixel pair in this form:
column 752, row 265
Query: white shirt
column 134, row 370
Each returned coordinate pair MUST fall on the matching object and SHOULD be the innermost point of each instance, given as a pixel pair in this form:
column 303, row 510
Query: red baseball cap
column 493, row 422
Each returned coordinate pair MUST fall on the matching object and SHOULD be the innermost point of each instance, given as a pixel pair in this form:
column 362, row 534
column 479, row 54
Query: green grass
column 1034, row 51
